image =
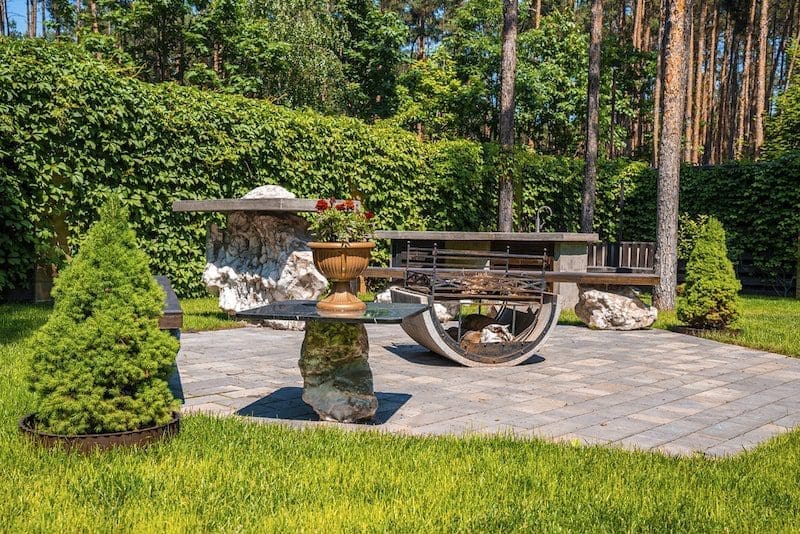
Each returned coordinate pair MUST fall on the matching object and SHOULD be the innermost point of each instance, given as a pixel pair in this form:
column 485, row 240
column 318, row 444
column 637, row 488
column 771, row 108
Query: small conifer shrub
column 711, row 290
column 100, row 363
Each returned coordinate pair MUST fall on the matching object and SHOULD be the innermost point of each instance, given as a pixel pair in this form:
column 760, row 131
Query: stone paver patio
column 652, row 390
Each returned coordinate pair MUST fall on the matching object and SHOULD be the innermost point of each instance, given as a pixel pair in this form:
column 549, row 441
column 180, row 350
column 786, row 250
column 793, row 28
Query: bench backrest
column 470, row 274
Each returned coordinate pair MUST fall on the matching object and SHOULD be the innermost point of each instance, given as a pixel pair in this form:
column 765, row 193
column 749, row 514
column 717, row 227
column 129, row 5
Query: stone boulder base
column 337, row 380
column 613, row 309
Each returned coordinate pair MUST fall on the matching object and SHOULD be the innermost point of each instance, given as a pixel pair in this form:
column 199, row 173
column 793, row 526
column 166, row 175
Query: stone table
column 337, row 379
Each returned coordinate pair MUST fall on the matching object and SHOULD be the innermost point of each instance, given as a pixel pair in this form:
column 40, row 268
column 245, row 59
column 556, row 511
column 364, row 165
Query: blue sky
column 16, row 13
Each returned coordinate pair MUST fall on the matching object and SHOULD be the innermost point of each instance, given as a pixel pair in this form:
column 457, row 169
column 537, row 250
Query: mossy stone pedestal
column 337, row 379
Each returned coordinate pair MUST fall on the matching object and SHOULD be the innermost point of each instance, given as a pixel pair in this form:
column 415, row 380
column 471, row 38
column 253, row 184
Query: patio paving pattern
column 646, row 390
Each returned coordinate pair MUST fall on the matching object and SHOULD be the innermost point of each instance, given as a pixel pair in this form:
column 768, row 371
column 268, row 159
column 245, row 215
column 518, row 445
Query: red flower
column 340, row 206
column 322, row 205
column 368, row 215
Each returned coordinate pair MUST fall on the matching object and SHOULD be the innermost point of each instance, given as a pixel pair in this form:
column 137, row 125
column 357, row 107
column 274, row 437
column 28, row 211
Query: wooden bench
column 172, row 319
column 593, row 278
column 447, row 274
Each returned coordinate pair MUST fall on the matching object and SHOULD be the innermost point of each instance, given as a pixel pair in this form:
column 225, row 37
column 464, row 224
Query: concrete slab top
column 644, row 390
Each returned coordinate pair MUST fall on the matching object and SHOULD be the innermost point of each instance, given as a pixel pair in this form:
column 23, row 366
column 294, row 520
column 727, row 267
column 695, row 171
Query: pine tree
column 100, row 362
column 711, row 285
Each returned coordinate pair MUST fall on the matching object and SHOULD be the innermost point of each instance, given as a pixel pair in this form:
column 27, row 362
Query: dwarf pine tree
column 711, row 299
column 100, row 363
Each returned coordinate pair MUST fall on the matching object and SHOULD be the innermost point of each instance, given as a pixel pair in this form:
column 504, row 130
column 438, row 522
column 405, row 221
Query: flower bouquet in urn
column 341, row 229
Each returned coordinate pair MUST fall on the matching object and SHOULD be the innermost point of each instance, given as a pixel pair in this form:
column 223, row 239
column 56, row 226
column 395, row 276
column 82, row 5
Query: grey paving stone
column 648, row 390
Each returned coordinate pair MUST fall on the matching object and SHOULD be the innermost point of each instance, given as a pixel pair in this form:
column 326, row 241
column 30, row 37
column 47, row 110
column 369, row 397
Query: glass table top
column 306, row 310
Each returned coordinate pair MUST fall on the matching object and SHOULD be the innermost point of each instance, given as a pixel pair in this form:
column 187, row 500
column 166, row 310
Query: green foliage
column 371, row 57
column 432, row 99
column 782, row 131
column 100, row 362
column 330, row 56
column 755, row 202
column 689, row 229
column 341, row 222
column 711, row 295
column 73, row 129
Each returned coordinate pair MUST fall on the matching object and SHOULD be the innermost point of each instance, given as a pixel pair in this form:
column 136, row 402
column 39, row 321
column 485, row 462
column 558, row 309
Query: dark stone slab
column 306, row 310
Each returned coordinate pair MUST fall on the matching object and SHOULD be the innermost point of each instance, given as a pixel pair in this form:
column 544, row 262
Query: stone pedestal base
column 337, row 379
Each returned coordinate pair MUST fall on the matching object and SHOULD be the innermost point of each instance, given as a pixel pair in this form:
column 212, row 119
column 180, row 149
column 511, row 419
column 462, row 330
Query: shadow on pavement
column 287, row 403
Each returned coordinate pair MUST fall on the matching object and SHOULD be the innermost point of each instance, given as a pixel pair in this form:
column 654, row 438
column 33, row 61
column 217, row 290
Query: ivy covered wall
column 73, row 129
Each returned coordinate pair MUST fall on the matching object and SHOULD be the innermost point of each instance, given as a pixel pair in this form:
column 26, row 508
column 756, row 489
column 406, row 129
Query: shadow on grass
column 287, row 403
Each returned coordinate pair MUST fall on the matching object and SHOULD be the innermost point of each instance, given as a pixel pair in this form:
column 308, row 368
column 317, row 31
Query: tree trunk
column 32, row 4
column 720, row 122
column 508, row 71
column 592, row 117
column 694, row 140
column 3, row 18
column 761, row 75
column 658, row 90
column 687, row 126
column 537, row 15
column 638, row 18
column 791, row 67
column 729, row 130
column 709, row 118
column 421, row 37
column 673, row 50
column 744, row 100
column 93, row 11
column 779, row 56
column 77, row 19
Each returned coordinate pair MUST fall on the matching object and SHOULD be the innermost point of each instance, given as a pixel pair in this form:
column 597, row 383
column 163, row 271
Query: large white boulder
column 269, row 191
column 260, row 259
column 613, row 309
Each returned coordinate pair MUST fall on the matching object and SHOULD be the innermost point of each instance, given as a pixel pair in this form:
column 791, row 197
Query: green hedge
column 73, row 129
column 757, row 203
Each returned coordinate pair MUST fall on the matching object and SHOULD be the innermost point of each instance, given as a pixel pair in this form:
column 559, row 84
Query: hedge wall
column 73, row 129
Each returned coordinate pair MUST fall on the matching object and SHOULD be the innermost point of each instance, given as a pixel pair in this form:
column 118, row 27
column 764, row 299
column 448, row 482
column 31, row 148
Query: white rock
column 284, row 325
column 260, row 259
column 613, row 309
column 441, row 313
column 270, row 191
column 495, row 333
column 384, row 296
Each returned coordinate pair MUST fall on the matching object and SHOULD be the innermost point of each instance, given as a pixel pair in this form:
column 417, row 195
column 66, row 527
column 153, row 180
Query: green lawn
column 229, row 475
column 767, row 323
column 204, row 314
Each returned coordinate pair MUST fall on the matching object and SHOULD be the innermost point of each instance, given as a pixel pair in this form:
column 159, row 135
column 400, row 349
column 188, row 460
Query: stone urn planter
column 341, row 263
column 88, row 442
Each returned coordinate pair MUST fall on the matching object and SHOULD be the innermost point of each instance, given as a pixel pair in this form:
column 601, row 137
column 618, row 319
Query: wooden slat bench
column 173, row 313
column 593, row 278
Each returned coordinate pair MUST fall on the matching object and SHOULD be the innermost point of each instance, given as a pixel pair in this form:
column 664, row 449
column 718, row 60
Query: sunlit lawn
column 231, row 475
column 767, row 323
